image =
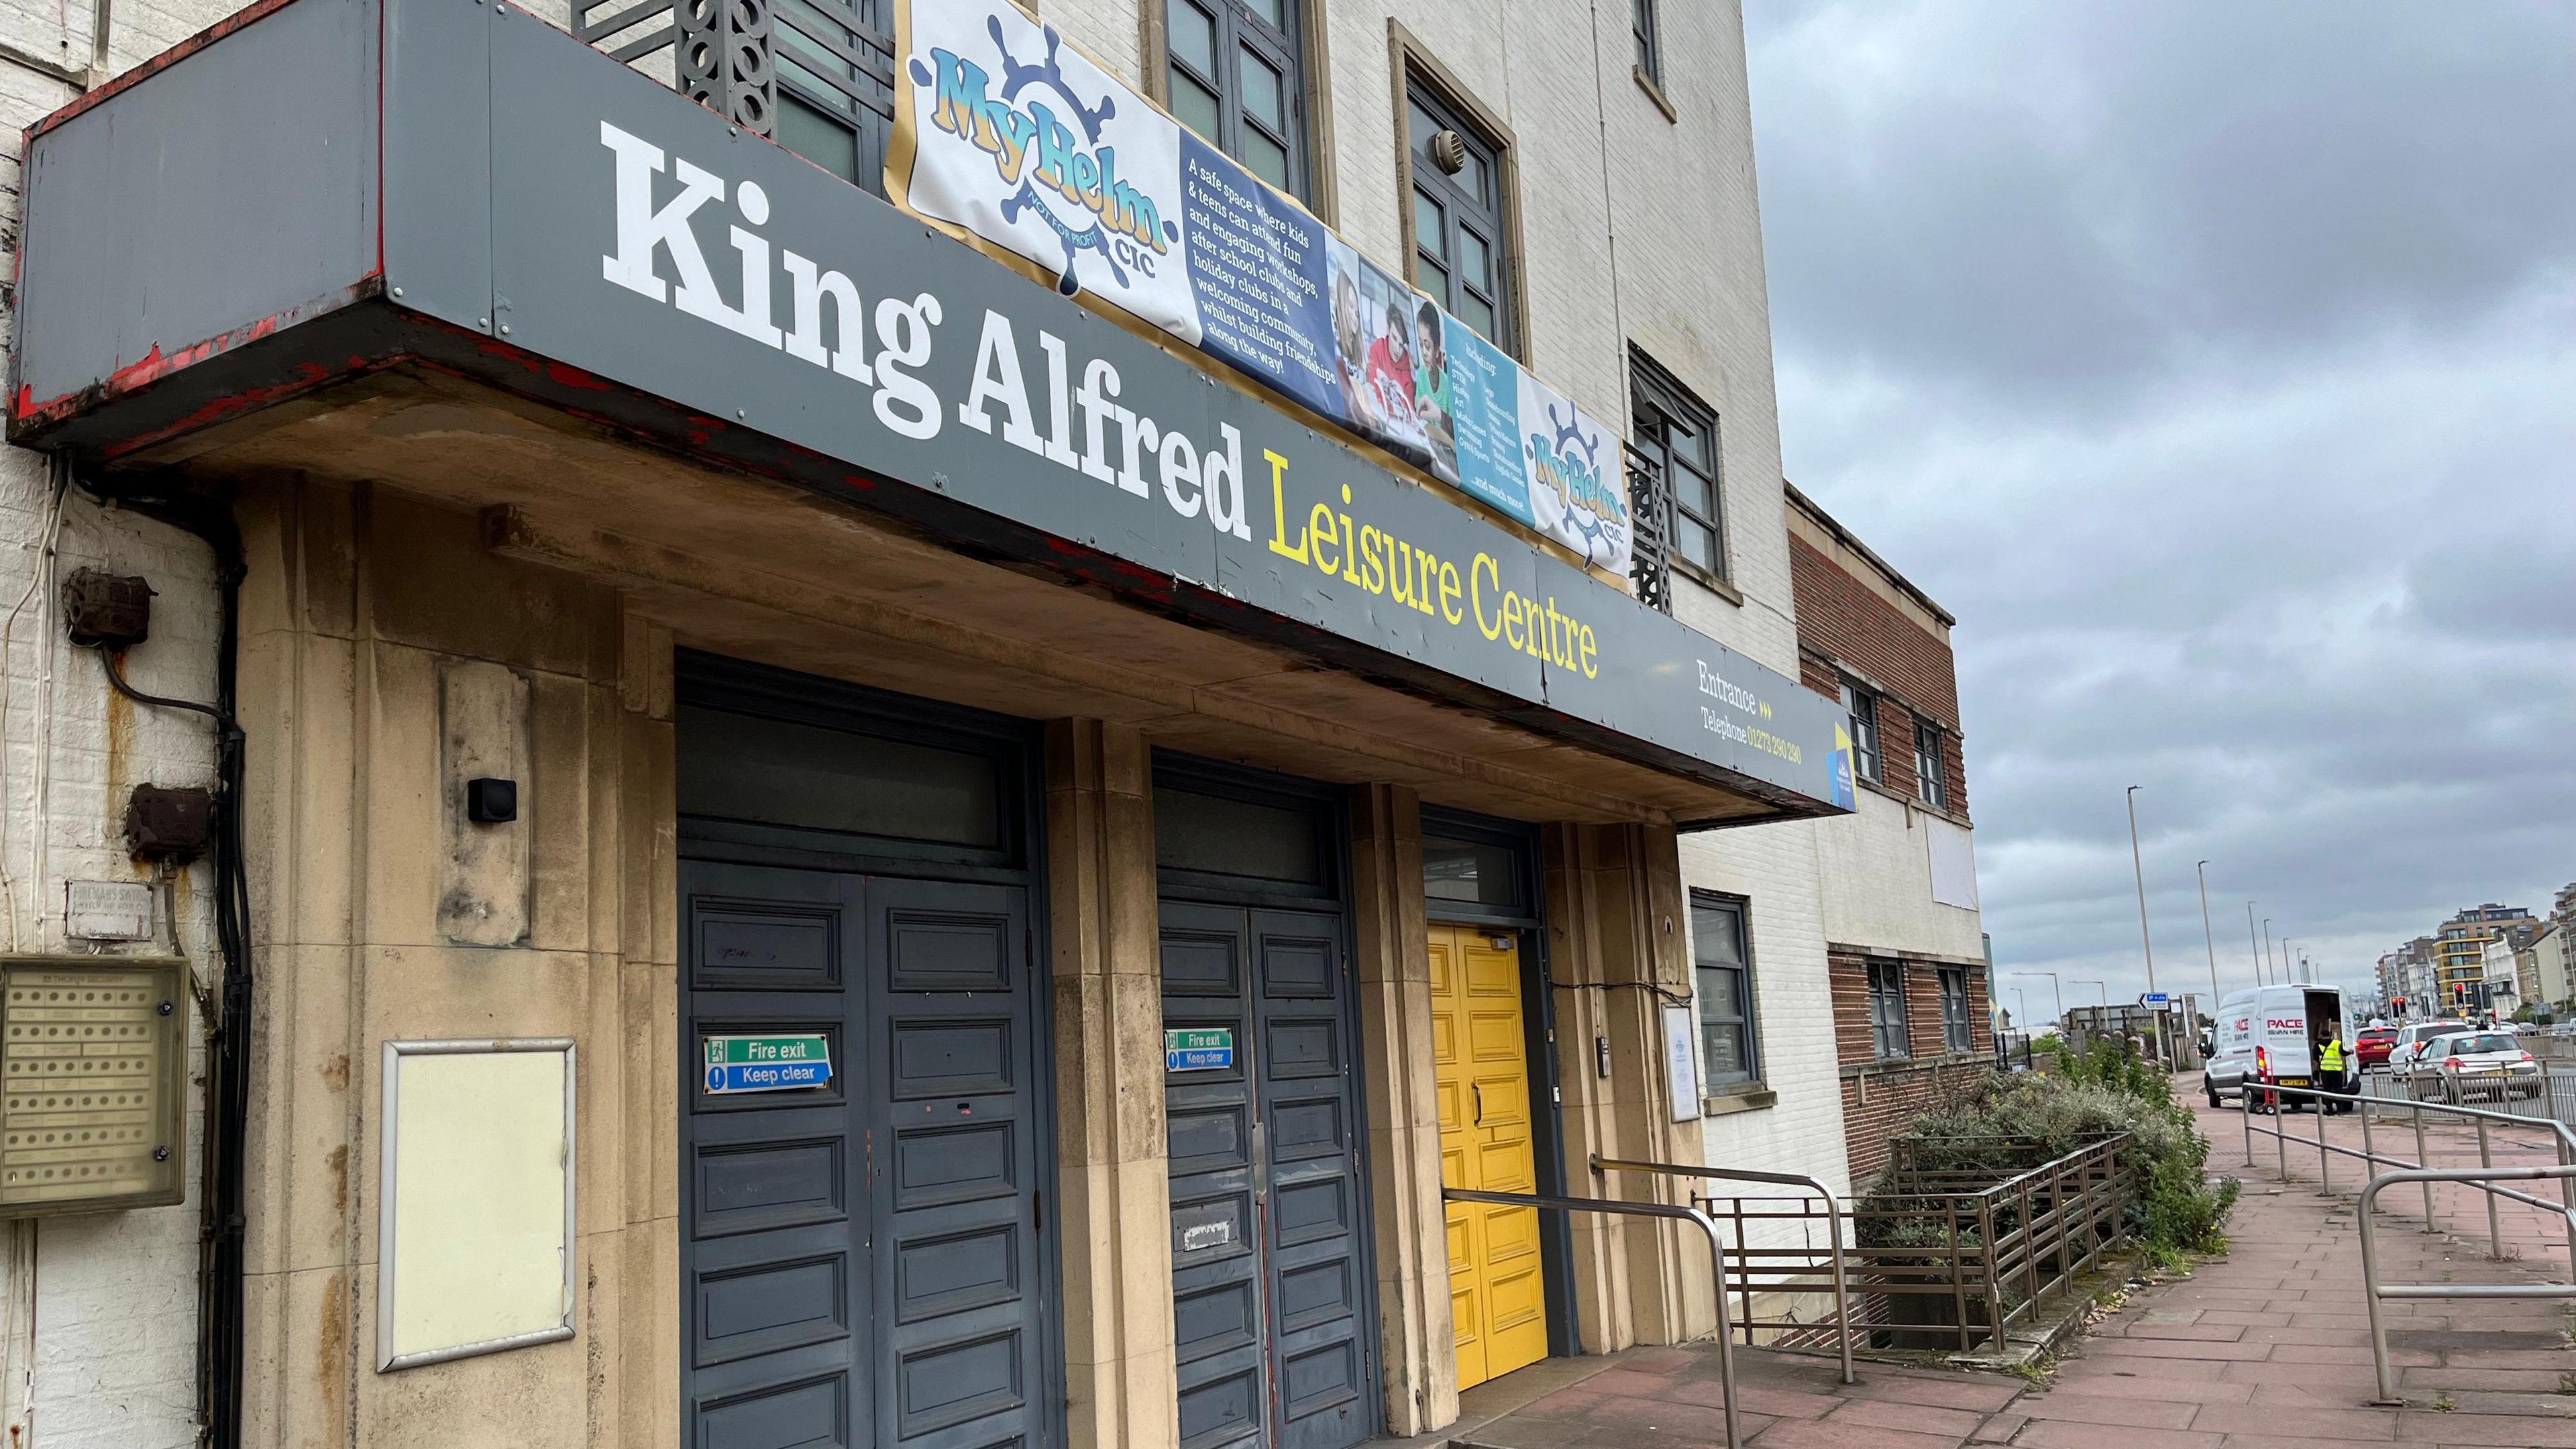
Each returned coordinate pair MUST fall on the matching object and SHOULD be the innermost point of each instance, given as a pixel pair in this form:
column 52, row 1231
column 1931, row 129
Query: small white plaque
column 107, row 910
column 1681, row 1051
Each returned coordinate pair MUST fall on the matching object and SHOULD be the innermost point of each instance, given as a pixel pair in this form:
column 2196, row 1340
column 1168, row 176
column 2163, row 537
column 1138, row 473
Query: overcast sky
column 2215, row 364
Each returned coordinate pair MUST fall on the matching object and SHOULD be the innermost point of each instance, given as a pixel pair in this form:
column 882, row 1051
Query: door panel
column 773, row 1194
column 862, row 1261
column 1267, row 1200
column 1481, row 1068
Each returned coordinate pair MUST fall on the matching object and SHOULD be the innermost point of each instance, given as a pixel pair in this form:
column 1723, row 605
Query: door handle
column 1479, row 1090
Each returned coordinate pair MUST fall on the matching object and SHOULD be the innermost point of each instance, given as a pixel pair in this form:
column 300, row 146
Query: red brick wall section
column 1882, row 1098
column 1895, row 1099
column 1847, row 619
column 1841, row 618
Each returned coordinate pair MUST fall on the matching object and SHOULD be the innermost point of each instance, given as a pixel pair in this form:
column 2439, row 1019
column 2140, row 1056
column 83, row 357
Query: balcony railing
column 816, row 76
column 1650, row 507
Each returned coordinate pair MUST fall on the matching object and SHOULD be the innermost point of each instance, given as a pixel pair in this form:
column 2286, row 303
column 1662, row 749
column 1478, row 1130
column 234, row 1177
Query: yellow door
column 1482, row 1063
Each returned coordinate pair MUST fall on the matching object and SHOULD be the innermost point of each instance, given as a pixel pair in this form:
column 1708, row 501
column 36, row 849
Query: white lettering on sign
column 1206, row 1235
column 1087, row 430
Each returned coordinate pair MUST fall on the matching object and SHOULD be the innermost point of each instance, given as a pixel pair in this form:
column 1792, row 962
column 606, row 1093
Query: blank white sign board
column 477, row 1199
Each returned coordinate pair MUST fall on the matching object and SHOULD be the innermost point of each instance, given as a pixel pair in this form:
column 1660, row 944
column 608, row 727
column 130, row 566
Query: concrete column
column 1615, row 940
column 1115, row 1220
column 371, row 622
column 1415, row 1329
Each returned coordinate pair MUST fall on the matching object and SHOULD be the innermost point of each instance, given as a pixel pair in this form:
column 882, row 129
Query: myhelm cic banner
column 1007, row 134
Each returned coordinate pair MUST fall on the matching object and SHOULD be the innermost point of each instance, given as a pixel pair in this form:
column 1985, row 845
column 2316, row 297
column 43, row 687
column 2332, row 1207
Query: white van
column 2263, row 1035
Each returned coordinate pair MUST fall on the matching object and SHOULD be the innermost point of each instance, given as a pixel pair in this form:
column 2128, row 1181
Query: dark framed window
column 1887, row 1032
column 1458, row 229
column 1955, row 1035
column 1650, row 51
column 1678, row 434
column 832, row 60
column 1931, row 778
column 1862, row 707
column 1235, row 72
column 1730, row 1046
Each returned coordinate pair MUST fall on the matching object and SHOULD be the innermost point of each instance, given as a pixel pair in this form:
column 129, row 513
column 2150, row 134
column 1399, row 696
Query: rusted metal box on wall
column 93, row 1070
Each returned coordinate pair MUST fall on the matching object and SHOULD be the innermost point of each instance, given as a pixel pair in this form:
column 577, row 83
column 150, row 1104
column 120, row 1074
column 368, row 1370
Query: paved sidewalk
column 2268, row 1346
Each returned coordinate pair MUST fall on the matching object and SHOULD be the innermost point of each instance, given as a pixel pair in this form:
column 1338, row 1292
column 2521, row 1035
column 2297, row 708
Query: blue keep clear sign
column 767, row 1063
column 1198, row 1048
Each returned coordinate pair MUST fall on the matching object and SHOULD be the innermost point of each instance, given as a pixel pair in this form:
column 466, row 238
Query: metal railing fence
column 1616, row 1208
column 2485, row 1177
column 1799, row 1280
column 1949, row 1256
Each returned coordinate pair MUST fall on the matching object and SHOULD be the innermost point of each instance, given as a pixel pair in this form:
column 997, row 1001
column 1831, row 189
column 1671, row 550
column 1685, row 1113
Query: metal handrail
column 2373, row 1290
column 1833, row 1212
column 2565, row 1137
column 1617, row 1208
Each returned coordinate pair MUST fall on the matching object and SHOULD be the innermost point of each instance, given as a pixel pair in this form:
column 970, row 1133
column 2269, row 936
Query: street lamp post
column 2251, row 946
column 2271, row 967
column 2203, row 868
column 2146, row 939
column 2102, row 986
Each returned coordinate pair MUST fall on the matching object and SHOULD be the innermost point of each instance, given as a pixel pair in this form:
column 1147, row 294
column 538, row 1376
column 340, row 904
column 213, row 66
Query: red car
column 2371, row 1047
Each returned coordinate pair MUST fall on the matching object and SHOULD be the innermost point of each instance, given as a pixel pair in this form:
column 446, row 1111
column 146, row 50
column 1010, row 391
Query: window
column 1729, row 1049
column 1862, row 706
column 1220, row 835
column 1235, row 71
column 1955, row 1036
column 1887, row 1033
column 1650, row 56
column 1678, row 435
column 832, row 110
column 1457, row 218
column 1931, row 777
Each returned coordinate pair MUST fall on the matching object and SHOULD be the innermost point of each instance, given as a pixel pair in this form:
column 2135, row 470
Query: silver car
column 2476, row 1064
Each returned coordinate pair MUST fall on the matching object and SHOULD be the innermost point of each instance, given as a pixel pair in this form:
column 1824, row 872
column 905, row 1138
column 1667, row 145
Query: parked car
column 2412, row 1036
column 2263, row 1035
column 2371, row 1047
column 2479, row 1064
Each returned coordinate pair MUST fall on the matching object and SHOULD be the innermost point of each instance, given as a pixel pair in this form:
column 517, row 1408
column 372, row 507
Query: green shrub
column 2006, row 1123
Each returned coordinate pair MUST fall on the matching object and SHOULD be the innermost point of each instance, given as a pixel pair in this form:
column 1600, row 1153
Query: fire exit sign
column 767, row 1063
column 1198, row 1048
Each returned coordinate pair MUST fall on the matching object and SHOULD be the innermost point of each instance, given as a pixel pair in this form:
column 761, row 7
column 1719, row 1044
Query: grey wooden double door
column 861, row 1263
column 1268, row 1203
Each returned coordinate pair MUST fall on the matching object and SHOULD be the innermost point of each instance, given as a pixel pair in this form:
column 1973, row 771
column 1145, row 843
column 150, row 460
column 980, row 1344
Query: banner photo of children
column 1374, row 347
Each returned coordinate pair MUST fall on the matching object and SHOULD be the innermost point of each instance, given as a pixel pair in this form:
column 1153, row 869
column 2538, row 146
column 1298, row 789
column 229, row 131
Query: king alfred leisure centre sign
column 581, row 217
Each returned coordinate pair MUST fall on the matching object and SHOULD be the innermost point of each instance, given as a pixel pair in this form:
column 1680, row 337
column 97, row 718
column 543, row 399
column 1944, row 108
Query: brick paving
column 2268, row 1346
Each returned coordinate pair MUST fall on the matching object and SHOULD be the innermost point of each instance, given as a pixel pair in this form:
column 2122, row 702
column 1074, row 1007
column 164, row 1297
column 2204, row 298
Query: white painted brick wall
column 113, row 1296
column 1876, row 872
column 1774, row 868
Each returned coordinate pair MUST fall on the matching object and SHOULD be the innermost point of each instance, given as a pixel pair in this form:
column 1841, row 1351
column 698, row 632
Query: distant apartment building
column 1904, row 948
column 2549, row 965
column 2460, row 966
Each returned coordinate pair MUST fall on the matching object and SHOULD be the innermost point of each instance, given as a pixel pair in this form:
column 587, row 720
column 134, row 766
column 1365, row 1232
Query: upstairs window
column 1457, row 216
column 1931, row 775
column 1887, row 1033
column 1235, row 71
column 1650, row 51
column 1678, row 435
column 1861, row 707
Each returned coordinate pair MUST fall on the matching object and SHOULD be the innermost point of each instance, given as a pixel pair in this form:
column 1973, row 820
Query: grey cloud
column 2214, row 365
